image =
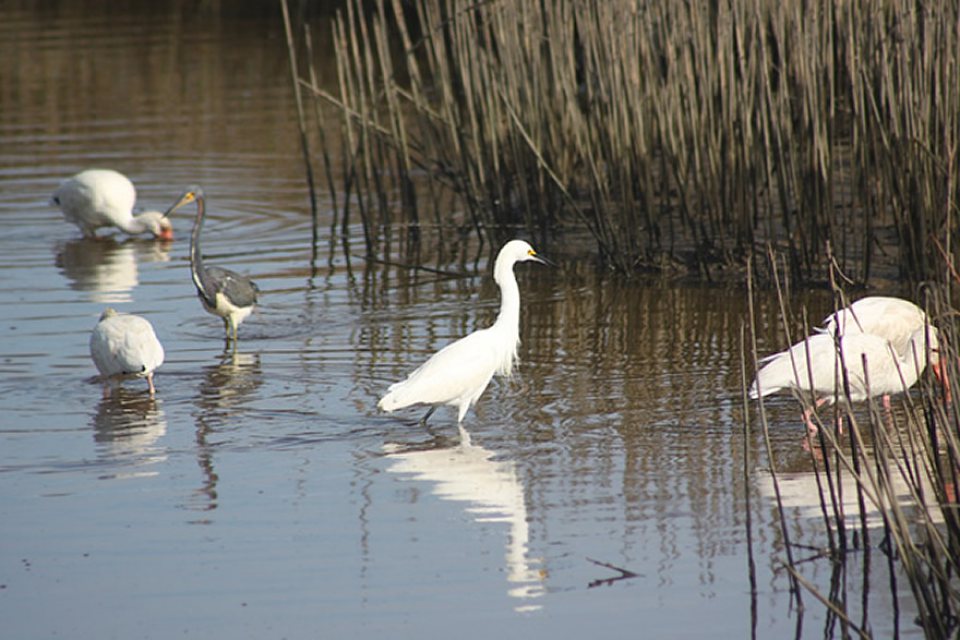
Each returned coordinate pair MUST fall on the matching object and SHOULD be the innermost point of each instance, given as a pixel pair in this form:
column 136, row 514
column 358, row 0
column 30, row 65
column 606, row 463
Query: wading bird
column 104, row 198
column 222, row 292
column 459, row 373
column 887, row 371
column 125, row 346
column 894, row 319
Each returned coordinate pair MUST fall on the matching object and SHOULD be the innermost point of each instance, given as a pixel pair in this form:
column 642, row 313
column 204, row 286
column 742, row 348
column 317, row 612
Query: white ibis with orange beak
column 810, row 368
column 894, row 319
column 125, row 346
column 98, row 198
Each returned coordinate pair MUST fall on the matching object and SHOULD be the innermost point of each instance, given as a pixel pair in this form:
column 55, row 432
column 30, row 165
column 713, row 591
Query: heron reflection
column 492, row 492
column 225, row 387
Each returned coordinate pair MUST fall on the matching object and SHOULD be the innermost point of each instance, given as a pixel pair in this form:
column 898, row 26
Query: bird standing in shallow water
column 459, row 373
column 222, row 292
column 104, row 198
column 894, row 319
column 815, row 376
column 125, row 346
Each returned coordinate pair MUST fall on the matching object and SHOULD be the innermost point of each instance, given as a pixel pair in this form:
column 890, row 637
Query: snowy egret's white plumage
column 223, row 292
column 125, row 346
column 459, row 373
column 105, row 198
column 811, row 367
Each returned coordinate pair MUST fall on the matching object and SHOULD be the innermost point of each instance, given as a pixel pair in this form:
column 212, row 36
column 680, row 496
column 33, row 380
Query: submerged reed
column 673, row 134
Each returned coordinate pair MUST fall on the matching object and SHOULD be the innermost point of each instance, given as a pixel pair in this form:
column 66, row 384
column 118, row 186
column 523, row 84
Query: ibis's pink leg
column 812, row 428
column 153, row 390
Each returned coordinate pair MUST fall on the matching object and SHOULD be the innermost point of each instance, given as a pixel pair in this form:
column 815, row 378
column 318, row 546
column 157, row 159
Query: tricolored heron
column 223, row 292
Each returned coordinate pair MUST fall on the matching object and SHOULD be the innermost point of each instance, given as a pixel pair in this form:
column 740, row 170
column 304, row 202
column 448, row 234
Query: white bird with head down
column 125, row 346
column 893, row 319
column 459, row 373
column 105, row 198
column 810, row 368
column 222, row 292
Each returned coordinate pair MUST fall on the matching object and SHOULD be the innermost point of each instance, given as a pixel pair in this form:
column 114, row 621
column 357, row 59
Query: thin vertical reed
column 675, row 134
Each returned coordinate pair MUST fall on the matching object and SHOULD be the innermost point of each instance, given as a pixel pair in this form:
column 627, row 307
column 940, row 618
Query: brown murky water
column 261, row 494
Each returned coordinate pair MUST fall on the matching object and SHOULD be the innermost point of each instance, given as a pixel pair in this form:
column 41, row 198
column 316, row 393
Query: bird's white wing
column 125, row 345
column 893, row 319
column 462, row 368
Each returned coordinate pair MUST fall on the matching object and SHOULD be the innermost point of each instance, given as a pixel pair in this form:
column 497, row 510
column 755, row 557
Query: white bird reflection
column 800, row 495
column 468, row 473
column 105, row 268
column 127, row 427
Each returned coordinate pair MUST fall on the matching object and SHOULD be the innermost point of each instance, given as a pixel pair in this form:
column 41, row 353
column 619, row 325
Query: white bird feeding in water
column 125, row 346
column 810, row 368
column 894, row 319
column 459, row 373
column 223, row 292
column 104, row 198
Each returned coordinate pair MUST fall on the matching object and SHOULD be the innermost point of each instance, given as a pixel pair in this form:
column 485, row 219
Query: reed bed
column 886, row 482
column 667, row 134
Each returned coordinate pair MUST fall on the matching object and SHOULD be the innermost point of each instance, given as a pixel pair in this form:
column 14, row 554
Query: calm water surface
column 261, row 494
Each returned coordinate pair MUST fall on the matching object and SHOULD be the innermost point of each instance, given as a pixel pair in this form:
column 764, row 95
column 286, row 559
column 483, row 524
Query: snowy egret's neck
column 509, row 317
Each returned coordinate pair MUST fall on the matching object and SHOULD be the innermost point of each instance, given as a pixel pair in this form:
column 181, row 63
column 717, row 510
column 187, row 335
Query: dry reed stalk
column 671, row 133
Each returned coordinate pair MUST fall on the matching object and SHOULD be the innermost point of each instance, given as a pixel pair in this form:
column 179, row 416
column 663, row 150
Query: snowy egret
column 459, row 373
column 887, row 370
column 222, row 292
column 125, row 346
column 104, row 198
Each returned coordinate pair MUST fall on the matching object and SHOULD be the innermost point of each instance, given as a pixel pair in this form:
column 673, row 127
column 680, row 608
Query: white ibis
column 223, row 292
column 815, row 376
column 125, row 346
column 894, row 319
column 459, row 373
column 104, row 198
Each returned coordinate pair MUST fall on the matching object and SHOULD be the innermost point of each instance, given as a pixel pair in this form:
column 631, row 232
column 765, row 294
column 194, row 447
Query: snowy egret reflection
column 493, row 493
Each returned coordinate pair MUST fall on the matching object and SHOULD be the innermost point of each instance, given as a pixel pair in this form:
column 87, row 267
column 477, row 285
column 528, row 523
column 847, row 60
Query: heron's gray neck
column 199, row 273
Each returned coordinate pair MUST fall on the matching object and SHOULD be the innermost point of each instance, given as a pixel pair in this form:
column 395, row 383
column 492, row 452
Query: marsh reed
column 668, row 135
column 885, row 483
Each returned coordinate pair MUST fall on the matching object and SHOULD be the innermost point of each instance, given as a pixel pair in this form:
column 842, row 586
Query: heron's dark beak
column 188, row 196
